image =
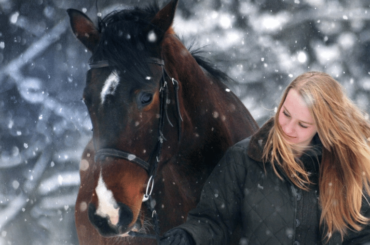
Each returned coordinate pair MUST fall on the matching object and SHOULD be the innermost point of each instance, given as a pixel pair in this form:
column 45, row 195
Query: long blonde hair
column 345, row 167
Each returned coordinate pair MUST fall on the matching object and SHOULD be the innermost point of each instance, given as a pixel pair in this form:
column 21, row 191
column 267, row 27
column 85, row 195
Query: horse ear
column 164, row 18
column 84, row 29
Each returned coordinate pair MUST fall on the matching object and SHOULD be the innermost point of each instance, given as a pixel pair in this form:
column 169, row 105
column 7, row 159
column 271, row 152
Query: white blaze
column 107, row 204
column 110, row 86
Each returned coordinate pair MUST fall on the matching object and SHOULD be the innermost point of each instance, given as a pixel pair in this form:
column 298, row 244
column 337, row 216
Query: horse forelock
column 124, row 42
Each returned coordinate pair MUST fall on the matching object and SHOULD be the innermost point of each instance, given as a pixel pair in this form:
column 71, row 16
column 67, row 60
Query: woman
column 303, row 178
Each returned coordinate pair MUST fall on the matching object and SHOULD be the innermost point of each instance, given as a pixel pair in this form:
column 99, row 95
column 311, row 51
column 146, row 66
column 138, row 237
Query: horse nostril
column 125, row 215
column 100, row 223
column 105, row 227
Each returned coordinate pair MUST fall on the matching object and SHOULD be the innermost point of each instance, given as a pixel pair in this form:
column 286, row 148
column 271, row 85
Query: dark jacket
column 242, row 189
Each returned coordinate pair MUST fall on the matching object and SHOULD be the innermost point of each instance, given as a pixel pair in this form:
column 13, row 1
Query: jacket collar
column 258, row 141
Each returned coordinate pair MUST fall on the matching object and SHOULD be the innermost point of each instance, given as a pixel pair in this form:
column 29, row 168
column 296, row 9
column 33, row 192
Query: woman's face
column 296, row 120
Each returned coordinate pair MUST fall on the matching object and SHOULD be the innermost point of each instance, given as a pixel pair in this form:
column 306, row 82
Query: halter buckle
column 149, row 189
column 174, row 81
column 163, row 87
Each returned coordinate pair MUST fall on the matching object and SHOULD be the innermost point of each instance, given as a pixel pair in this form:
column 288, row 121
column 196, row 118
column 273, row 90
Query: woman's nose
column 288, row 128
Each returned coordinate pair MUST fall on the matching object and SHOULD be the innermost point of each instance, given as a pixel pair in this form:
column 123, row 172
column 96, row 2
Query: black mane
column 123, row 44
column 209, row 67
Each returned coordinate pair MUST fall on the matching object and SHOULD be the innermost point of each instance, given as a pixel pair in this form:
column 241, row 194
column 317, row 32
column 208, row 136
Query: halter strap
column 154, row 60
column 105, row 152
column 99, row 64
column 105, row 63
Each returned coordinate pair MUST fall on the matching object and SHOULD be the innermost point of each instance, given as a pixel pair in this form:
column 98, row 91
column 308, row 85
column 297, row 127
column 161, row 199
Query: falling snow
column 44, row 124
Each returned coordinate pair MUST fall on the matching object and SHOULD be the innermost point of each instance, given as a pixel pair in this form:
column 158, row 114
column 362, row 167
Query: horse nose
column 105, row 226
column 100, row 223
column 125, row 216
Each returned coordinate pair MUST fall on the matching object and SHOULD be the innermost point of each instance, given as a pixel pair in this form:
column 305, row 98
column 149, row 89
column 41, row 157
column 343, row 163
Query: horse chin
column 137, row 227
column 110, row 230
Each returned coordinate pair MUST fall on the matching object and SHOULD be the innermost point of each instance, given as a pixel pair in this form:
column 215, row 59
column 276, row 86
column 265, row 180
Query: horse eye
column 145, row 98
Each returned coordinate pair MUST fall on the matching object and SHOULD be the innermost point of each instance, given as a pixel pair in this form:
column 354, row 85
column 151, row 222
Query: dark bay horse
column 160, row 114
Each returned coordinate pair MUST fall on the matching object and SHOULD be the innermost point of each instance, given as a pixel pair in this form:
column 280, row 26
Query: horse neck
column 206, row 105
column 198, row 89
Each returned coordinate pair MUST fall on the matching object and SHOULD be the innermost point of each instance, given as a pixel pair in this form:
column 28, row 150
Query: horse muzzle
column 106, row 226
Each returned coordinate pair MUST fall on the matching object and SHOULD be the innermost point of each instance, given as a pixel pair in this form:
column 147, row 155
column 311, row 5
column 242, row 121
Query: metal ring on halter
column 148, row 191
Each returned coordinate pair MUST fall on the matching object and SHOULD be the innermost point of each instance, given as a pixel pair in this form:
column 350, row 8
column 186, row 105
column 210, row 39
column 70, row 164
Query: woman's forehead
column 297, row 107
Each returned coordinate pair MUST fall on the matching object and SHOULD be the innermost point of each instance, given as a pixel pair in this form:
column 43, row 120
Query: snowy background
column 262, row 44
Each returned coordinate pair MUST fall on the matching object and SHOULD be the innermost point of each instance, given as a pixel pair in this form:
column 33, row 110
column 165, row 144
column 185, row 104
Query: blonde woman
column 303, row 178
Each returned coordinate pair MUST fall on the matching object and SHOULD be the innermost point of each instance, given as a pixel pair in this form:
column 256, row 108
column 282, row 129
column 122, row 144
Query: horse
column 162, row 119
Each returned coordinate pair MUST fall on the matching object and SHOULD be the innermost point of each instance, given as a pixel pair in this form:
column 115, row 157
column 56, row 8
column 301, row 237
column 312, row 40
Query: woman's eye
column 303, row 126
column 145, row 98
column 286, row 114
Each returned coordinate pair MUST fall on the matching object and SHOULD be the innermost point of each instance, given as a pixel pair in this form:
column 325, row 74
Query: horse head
column 159, row 113
column 123, row 98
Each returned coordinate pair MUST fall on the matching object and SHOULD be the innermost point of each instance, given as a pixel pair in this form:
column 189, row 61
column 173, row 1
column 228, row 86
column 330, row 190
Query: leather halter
column 151, row 169
column 105, row 63
column 124, row 155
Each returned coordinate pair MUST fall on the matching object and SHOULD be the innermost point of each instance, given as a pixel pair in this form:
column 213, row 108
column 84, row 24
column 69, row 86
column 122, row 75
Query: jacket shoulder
column 239, row 153
column 243, row 144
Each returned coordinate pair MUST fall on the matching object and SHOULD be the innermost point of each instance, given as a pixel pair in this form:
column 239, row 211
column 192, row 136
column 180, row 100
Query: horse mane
column 210, row 68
